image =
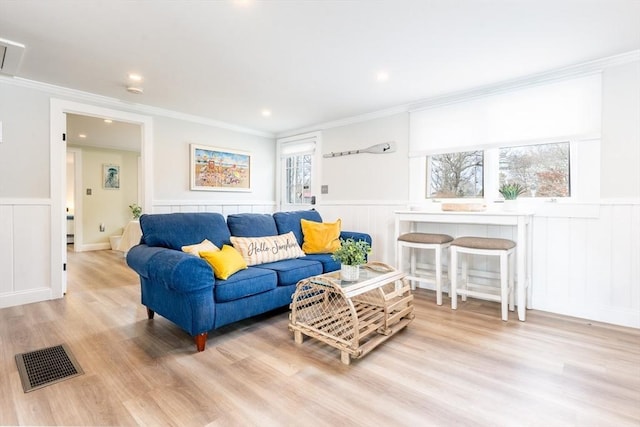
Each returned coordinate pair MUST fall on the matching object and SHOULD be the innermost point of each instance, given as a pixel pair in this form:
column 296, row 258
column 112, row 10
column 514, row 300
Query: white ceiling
column 98, row 133
column 309, row 62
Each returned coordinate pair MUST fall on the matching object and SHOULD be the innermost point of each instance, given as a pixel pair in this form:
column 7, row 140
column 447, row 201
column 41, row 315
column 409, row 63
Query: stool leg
column 512, row 288
column 412, row 256
column 439, row 275
column 453, row 277
column 504, row 284
column 465, row 274
column 449, row 271
column 399, row 255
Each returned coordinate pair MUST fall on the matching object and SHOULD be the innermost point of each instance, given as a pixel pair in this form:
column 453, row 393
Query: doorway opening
column 59, row 132
column 101, row 152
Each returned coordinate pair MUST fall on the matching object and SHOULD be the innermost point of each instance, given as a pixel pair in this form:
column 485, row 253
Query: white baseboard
column 92, row 247
column 25, row 297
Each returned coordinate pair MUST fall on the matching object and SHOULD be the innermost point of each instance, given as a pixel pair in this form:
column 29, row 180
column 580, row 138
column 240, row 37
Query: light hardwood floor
column 447, row 368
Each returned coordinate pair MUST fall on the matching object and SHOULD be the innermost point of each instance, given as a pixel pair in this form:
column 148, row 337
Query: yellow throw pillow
column 224, row 262
column 260, row 250
column 320, row 237
column 204, row 246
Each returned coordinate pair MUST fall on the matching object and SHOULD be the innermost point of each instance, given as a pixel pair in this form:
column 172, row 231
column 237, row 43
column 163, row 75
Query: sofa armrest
column 356, row 236
column 175, row 270
column 138, row 258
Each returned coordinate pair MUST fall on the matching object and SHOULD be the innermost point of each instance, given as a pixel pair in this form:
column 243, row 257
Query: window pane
column 542, row 169
column 298, row 179
column 455, row 175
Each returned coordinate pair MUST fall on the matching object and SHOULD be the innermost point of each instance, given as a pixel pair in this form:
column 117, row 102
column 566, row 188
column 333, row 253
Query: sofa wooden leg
column 201, row 340
column 150, row 313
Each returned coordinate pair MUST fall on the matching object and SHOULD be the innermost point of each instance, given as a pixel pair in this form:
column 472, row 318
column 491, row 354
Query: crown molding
column 581, row 69
column 584, row 68
column 347, row 121
column 78, row 95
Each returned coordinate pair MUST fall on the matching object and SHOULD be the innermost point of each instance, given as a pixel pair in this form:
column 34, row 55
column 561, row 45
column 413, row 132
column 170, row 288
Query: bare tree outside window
column 543, row 169
column 298, row 179
column 453, row 175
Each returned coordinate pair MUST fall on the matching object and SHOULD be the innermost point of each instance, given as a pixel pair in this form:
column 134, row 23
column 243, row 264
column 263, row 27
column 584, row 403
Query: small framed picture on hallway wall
column 219, row 169
column 111, row 177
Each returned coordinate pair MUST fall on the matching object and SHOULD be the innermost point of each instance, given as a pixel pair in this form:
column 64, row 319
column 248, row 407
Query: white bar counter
column 522, row 221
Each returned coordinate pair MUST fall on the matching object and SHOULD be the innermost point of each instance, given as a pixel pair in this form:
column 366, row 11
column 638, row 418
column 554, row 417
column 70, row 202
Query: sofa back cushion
column 290, row 221
column 176, row 230
column 252, row 225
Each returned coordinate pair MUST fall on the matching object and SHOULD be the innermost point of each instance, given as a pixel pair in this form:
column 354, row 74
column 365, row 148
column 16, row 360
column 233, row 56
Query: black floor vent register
column 47, row 366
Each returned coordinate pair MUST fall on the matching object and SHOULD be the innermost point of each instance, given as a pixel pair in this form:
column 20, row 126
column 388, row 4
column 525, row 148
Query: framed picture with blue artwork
column 219, row 169
column 110, row 177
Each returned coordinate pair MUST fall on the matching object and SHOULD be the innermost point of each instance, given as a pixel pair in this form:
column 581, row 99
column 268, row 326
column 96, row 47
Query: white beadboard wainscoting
column 586, row 257
column 25, row 252
column 224, row 207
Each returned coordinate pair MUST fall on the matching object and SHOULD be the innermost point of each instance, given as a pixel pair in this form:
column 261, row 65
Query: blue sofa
column 182, row 287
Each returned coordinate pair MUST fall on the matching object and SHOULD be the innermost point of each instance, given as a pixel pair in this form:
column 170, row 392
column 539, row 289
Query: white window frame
column 584, row 172
column 281, row 145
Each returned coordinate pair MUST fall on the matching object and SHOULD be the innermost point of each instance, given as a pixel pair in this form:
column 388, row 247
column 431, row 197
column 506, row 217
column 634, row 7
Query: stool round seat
column 484, row 243
column 427, row 238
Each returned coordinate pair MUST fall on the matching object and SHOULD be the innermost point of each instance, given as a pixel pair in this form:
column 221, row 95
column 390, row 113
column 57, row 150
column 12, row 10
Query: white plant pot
column 349, row 273
column 510, row 205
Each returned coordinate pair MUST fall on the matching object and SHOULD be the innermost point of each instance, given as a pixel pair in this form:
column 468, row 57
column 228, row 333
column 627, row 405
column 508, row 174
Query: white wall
column 367, row 176
column 106, row 206
column 27, row 272
column 24, row 152
column 171, row 160
column 586, row 256
column 584, row 265
column 620, row 157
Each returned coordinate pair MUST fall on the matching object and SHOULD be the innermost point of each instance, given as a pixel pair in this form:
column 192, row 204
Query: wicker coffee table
column 354, row 317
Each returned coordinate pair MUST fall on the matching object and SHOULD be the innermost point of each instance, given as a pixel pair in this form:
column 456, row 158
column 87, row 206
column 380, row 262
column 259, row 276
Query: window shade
column 560, row 109
column 301, row 146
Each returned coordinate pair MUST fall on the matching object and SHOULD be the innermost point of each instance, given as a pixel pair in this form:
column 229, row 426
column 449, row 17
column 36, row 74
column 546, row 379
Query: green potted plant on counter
column 351, row 255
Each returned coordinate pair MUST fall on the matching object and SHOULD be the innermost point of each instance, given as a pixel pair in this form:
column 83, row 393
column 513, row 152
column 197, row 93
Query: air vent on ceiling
column 10, row 56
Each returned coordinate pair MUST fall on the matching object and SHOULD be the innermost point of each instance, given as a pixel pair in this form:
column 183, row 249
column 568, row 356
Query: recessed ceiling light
column 382, row 76
column 266, row 113
column 135, row 89
column 135, row 77
column 108, row 121
column 243, row 3
column 82, row 135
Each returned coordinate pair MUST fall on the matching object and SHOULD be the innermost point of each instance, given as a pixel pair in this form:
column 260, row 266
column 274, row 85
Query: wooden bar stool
column 435, row 242
column 466, row 246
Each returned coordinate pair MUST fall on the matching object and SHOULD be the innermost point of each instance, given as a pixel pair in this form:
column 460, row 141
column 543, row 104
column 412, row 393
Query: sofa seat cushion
column 291, row 271
column 328, row 263
column 244, row 283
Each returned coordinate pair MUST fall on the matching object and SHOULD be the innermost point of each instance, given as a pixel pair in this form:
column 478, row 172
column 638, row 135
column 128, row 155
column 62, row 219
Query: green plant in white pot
column 510, row 191
column 351, row 255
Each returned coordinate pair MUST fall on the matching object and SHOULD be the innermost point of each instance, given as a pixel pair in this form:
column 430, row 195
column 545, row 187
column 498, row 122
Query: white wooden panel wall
column 586, row 258
column 223, row 207
column 25, row 252
column 586, row 266
column 589, row 267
